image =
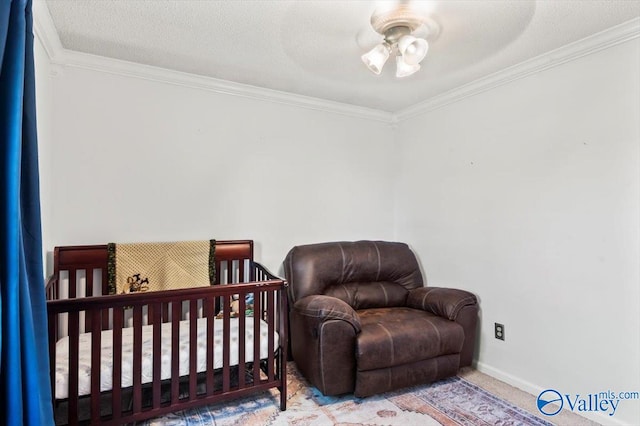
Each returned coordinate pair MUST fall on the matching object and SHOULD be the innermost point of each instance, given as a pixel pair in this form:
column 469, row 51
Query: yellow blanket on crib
column 134, row 267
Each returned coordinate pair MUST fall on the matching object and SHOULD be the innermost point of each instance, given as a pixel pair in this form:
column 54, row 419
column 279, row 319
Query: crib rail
column 184, row 392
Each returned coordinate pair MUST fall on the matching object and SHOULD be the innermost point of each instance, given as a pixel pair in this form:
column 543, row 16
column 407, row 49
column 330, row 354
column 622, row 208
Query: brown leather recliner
column 363, row 322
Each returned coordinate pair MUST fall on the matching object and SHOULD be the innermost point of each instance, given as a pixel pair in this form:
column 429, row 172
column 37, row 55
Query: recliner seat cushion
column 395, row 336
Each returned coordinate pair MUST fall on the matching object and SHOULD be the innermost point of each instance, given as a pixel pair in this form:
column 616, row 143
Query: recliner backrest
column 364, row 274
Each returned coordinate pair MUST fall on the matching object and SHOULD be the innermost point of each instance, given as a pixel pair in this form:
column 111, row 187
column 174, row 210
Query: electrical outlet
column 499, row 331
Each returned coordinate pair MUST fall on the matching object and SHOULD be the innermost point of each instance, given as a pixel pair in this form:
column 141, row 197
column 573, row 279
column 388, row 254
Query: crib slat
column 116, row 402
column 74, row 343
column 242, row 321
column 271, row 322
column 241, row 270
column 165, row 312
column 176, row 311
column 252, row 271
column 219, row 270
column 257, row 314
column 53, row 338
column 88, row 285
column 193, row 348
column 96, row 343
column 226, row 341
column 209, row 313
column 105, row 290
column 150, row 309
column 137, row 358
column 88, row 289
column 72, row 283
column 157, row 359
column 230, row 271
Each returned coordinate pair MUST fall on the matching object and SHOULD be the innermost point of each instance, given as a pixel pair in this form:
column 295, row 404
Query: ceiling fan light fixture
column 376, row 57
column 399, row 25
column 412, row 49
column 404, row 69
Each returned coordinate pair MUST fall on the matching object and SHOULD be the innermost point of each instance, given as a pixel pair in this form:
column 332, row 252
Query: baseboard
column 535, row 390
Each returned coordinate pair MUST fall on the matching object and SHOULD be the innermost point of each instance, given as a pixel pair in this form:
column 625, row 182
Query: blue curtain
column 25, row 390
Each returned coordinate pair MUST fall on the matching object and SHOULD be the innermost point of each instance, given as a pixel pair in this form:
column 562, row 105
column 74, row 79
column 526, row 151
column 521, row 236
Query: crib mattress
column 106, row 365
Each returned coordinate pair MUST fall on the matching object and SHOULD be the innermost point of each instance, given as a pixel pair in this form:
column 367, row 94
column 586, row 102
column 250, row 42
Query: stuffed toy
column 235, row 306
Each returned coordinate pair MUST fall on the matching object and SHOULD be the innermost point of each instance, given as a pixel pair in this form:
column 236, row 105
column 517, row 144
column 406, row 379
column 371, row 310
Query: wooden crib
column 122, row 358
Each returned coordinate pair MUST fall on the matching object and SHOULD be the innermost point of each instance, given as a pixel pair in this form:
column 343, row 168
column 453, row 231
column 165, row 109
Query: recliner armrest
column 445, row 302
column 326, row 308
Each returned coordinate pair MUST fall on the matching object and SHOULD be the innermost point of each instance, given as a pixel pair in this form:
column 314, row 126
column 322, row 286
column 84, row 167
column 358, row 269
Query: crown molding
column 45, row 30
column 610, row 37
column 80, row 60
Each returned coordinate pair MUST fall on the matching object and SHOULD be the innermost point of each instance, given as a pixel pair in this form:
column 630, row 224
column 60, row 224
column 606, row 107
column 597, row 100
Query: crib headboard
column 232, row 263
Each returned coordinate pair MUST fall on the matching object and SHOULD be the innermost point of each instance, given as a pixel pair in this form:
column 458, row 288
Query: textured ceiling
column 313, row 48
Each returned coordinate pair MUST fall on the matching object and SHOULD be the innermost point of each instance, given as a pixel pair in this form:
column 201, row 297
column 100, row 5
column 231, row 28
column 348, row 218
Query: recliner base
column 401, row 376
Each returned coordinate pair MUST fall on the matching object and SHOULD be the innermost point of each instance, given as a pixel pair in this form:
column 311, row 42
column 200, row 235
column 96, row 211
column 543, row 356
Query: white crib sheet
column 106, row 366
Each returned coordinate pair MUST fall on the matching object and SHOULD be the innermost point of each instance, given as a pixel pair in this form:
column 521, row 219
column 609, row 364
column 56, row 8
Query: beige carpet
column 521, row 399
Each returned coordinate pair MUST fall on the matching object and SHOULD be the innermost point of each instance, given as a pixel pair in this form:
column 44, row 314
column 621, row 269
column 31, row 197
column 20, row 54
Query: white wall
column 528, row 195
column 138, row 160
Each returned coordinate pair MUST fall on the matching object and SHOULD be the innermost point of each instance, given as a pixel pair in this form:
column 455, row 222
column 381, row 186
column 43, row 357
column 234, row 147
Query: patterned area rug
column 453, row 401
